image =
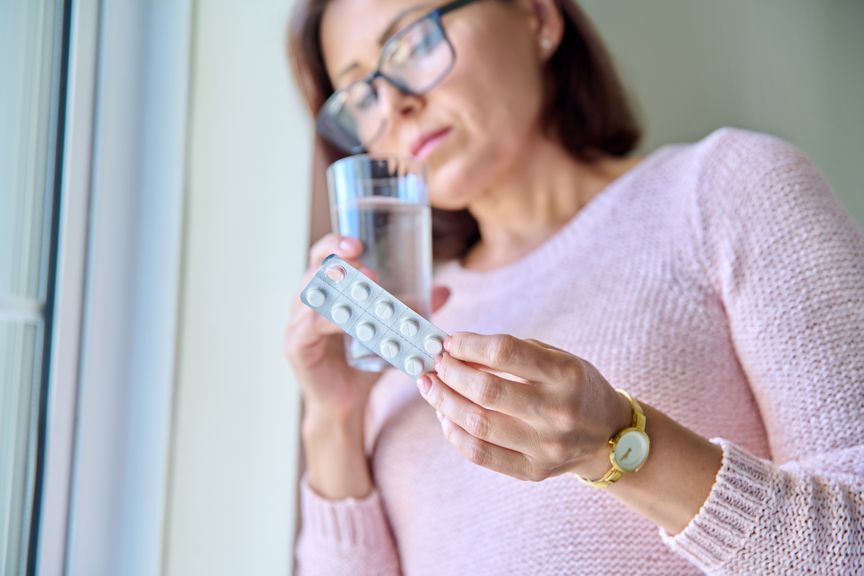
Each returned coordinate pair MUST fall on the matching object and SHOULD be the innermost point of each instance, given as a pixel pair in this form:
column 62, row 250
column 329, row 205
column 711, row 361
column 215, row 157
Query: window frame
column 110, row 388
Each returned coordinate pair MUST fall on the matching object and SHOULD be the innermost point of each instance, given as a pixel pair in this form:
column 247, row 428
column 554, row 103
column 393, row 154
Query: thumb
column 440, row 295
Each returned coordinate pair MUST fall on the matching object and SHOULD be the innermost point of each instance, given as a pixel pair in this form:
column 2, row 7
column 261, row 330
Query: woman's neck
column 535, row 199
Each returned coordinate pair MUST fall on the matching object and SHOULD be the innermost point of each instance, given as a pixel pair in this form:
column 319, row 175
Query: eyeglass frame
column 435, row 15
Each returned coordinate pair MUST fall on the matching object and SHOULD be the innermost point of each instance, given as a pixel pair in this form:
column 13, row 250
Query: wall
column 788, row 67
column 232, row 485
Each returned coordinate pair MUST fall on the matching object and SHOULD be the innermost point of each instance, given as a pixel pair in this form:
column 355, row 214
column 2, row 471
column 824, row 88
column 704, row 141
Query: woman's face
column 483, row 114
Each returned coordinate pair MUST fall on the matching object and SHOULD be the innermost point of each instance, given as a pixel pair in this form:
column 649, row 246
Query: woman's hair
column 586, row 108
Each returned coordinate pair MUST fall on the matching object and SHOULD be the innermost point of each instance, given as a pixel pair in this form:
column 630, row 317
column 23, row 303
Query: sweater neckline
column 526, row 269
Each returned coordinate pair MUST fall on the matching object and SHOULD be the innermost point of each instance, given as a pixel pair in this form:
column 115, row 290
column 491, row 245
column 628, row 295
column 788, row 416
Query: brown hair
column 586, row 111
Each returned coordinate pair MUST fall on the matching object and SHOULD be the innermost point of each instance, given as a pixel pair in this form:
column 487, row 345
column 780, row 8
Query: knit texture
column 722, row 283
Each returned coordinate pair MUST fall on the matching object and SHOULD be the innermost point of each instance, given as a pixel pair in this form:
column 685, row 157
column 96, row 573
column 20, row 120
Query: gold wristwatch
column 628, row 449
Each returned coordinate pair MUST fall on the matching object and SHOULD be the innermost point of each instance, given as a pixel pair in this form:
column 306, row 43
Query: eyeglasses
column 414, row 60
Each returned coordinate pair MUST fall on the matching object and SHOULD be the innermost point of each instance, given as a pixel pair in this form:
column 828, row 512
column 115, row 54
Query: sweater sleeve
column 787, row 263
column 350, row 536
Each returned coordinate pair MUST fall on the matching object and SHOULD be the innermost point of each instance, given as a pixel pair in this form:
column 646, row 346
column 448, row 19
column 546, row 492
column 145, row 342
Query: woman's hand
column 332, row 390
column 315, row 348
column 524, row 408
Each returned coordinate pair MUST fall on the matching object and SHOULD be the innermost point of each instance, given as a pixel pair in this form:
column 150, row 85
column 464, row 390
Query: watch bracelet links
column 614, row 474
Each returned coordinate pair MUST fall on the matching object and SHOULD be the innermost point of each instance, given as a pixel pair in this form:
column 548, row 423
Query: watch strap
column 614, row 473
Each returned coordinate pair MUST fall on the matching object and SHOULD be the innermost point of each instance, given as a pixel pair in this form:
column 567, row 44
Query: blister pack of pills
column 384, row 324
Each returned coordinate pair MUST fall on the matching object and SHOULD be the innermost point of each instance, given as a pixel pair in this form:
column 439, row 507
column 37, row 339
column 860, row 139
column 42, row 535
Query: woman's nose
column 394, row 103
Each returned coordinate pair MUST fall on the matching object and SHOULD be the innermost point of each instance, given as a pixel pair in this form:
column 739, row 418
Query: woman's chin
column 449, row 196
column 451, row 188
column 451, row 202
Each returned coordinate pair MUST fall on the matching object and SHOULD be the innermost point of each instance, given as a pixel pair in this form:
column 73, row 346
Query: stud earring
column 546, row 43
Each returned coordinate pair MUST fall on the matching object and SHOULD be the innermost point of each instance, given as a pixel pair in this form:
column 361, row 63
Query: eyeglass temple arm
column 452, row 6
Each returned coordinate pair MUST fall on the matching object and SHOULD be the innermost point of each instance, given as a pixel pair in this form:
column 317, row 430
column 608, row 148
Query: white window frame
column 69, row 286
column 120, row 243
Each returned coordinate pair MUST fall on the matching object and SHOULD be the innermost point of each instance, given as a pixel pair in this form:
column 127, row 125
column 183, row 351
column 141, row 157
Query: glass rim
column 391, row 166
column 371, row 157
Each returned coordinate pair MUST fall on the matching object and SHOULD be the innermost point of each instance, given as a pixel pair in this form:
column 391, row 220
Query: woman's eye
column 426, row 44
column 366, row 101
column 400, row 54
column 415, row 42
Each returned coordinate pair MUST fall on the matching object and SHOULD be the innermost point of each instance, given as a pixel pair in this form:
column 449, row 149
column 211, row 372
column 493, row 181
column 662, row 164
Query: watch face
column 631, row 450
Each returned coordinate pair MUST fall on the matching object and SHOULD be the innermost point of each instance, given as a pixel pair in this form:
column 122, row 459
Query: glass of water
column 382, row 201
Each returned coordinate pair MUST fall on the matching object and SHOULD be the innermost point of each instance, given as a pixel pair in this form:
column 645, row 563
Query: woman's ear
column 547, row 24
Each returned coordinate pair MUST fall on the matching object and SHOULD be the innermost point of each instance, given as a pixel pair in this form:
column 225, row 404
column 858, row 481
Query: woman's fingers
column 526, row 429
column 505, row 353
column 305, row 329
column 343, row 246
column 349, row 249
column 494, row 427
column 488, row 455
column 484, row 388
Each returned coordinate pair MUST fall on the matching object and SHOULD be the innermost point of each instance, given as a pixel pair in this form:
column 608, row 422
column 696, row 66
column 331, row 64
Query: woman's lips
column 424, row 145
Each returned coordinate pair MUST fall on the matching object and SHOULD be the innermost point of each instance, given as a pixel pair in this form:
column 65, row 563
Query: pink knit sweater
column 722, row 283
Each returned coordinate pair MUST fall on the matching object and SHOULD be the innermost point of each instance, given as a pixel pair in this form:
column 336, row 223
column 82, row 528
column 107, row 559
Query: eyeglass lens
column 414, row 61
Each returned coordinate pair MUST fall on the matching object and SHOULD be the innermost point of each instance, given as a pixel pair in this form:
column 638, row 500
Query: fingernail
column 345, row 245
column 439, row 415
column 438, row 360
column 447, row 343
column 424, row 384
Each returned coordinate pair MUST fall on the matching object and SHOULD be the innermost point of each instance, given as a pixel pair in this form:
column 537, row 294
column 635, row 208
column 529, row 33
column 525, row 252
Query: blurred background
column 154, row 221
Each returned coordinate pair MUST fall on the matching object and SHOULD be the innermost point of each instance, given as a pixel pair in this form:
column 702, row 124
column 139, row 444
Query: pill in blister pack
column 379, row 320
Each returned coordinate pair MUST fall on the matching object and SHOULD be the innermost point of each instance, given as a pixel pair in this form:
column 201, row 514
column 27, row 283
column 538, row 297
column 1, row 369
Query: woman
column 720, row 283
